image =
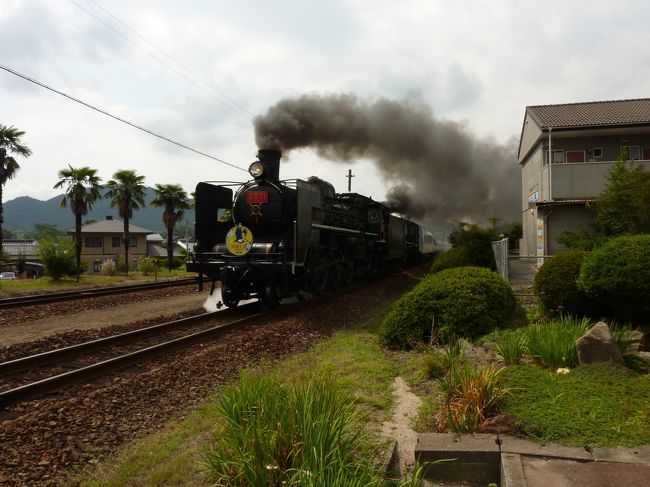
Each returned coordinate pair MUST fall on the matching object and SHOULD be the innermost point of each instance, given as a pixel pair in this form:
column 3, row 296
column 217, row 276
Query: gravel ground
column 35, row 322
column 41, row 440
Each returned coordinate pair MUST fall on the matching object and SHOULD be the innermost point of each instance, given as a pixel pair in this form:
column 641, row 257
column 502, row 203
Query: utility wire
column 214, row 92
column 104, row 112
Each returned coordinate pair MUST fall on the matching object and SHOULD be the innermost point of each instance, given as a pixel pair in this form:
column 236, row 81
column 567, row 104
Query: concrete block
column 471, row 458
column 512, row 473
column 550, row 450
column 639, row 455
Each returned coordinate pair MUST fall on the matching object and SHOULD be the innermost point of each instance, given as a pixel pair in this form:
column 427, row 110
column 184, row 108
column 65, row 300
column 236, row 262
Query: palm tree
column 126, row 191
column 173, row 198
column 82, row 191
column 9, row 143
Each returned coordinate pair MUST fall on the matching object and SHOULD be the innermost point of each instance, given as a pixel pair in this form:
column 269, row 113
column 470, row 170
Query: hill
column 23, row 212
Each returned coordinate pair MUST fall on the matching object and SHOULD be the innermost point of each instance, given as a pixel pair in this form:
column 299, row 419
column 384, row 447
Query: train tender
column 270, row 239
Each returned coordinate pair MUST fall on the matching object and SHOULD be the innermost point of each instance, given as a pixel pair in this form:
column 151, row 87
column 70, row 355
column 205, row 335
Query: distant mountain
column 23, row 212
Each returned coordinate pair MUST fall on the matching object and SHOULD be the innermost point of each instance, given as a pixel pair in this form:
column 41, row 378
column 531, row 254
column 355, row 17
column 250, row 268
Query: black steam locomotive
column 269, row 239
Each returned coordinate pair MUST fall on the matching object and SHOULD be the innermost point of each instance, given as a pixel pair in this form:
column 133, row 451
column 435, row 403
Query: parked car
column 7, row 275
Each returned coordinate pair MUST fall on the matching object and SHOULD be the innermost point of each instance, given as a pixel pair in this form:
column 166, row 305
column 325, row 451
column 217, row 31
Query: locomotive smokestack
column 271, row 160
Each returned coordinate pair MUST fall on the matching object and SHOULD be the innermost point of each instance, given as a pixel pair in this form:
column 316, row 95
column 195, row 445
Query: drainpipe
column 550, row 164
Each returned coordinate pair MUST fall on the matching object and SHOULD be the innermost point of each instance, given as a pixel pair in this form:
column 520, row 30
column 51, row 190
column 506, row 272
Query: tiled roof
column 597, row 113
column 111, row 226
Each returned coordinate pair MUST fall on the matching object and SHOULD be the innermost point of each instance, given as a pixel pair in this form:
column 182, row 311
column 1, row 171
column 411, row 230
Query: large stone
column 635, row 342
column 598, row 346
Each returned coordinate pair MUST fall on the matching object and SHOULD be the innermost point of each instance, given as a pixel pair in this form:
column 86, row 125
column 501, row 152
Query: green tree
column 57, row 257
column 82, row 190
column 624, row 205
column 126, row 192
column 9, row 144
column 174, row 200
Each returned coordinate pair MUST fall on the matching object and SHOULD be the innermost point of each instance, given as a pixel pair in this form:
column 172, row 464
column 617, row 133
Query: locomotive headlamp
column 256, row 169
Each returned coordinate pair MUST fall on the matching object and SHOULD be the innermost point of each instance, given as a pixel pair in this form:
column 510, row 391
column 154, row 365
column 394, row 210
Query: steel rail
column 64, row 353
column 41, row 387
column 89, row 293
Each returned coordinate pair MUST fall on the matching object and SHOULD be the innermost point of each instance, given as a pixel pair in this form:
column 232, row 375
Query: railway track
column 191, row 330
column 36, row 299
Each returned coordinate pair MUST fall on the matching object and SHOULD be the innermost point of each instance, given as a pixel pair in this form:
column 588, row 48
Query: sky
column 200, row 71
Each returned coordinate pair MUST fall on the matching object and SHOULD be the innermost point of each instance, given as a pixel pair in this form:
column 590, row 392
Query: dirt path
column 406, row 407
column 98, row 318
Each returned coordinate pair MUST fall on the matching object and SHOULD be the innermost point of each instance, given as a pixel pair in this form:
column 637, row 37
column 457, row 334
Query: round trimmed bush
column 556, row 288
column 617, row 274
column 465, row 302
column 456, row 257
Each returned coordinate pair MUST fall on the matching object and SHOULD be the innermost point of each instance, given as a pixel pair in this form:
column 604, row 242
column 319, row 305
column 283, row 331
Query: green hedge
column 456, row 257
column 617, row 274
column 556, row 287
column 465, row 301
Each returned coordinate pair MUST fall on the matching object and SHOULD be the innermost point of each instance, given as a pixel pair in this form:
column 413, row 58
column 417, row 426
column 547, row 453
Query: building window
column 575, row 156
column 558, row 156
column 646, row 153
column 633, row 152
column 93, row 241
column 115, row 242
column 133, row 242
column 597, row 152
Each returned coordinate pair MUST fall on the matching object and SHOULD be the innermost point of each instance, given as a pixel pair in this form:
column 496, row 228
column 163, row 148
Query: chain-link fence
column 518, row 270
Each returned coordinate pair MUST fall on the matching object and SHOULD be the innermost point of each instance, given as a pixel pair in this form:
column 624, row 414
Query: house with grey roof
column 104, row 240
column 565, row 153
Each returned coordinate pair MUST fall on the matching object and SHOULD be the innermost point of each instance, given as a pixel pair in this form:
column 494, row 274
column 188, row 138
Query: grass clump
column 553, row 344
column 472, row 394
column 598, row 405
column 512, row 345
column 260, row 444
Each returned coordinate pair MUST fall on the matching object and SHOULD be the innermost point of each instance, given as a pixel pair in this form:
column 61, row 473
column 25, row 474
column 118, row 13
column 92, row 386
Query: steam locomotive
column 270, row 239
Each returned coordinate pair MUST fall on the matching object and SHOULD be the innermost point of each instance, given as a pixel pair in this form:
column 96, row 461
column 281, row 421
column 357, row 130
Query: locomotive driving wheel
column 228, row 296
column 272, row 293
column 318, row 280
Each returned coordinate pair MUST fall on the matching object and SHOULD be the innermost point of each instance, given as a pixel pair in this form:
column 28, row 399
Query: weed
column 511, row 346
column 471, row 395
column 553, row 344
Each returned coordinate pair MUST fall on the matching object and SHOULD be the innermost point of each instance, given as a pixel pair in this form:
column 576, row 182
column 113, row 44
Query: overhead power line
column 104, row 112
column 213, row 91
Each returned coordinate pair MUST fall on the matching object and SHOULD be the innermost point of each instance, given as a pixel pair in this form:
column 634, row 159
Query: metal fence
column 518, row 270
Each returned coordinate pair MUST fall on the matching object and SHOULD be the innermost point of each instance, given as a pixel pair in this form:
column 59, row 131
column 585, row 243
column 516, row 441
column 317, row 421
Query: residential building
column 104, row 240
column 582, row 141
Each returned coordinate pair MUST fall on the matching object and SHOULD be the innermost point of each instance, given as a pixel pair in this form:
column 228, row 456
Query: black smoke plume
column 437, row 170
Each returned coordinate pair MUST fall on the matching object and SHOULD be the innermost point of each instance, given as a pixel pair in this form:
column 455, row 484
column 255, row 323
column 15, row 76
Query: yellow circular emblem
column 239, row 240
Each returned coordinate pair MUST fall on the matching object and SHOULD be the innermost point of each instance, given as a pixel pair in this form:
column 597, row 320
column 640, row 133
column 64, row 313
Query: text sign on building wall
column 533, row 193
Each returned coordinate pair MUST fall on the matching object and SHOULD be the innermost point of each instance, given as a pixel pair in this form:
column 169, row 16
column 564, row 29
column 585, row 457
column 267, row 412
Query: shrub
column 617, row 274
column 146, row 265
column 556, row 288
column 456, row 257
column 478, row 242
column 57, row 256
column 464, row 301
column 108, row 267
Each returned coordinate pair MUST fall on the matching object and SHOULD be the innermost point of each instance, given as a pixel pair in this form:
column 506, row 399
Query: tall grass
column 553, row 344
column 511, row 346
column 471, row 395
column 301, row 434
